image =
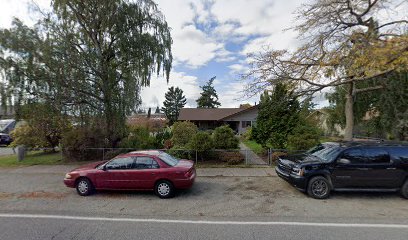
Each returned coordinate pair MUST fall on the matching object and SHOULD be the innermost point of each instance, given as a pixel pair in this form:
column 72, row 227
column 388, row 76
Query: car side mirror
column 343, row 161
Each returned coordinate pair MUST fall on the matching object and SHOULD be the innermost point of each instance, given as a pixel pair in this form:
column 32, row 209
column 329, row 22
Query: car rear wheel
column 318, row 187
column 164, row 189
column 84, row 187
column 404, row 189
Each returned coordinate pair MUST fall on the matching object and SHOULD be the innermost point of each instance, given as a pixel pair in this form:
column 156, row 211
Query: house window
column 246, row 124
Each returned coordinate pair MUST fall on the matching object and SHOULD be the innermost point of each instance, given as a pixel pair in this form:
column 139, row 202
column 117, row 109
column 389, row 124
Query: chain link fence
column 211, row 157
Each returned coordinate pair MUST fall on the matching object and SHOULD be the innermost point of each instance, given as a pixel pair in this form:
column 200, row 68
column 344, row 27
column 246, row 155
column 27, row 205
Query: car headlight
column 68, row 176
column 298, row 171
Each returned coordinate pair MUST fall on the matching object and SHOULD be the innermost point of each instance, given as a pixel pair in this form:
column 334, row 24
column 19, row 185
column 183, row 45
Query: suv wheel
column 318, row 187
column 404, row 189
column 164, row 189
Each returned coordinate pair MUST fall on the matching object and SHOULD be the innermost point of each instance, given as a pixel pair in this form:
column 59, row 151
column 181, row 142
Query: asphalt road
column 249, row 207
column 33, row 228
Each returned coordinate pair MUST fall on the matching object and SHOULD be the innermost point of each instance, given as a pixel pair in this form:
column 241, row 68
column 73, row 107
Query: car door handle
column 391, row 168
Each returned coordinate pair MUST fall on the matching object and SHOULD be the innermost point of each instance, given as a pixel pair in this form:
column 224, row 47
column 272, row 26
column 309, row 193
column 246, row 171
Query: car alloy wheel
column 319, row 188
column 84, row 187
column 164, row 189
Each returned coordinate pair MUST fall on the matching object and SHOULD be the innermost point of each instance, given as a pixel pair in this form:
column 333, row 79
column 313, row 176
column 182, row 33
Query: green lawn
column 255, row 147
column 32, row 158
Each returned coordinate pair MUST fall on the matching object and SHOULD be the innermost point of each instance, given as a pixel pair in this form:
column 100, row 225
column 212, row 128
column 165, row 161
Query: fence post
column 246, row 157
column 196, row 158
column 103, row 154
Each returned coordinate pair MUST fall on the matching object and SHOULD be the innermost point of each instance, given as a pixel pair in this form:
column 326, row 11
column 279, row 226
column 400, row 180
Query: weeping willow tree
column 88, row 58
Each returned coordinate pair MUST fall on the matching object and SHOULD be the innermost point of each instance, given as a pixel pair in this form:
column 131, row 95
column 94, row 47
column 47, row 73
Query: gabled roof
column 208, row 114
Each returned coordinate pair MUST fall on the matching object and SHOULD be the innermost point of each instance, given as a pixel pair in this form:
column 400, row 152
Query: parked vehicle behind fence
column 348, row 166
column 140, row 170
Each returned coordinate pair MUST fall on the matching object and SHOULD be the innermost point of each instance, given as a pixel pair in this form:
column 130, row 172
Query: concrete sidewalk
column 201, row 172
column 236, row 172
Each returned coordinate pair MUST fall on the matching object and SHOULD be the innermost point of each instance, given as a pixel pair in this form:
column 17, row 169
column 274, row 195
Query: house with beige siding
column 239, row 119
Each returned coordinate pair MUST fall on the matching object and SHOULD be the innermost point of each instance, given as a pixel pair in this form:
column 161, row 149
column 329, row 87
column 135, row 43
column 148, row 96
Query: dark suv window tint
column 146, row 163
column 400, row 153
column 376, row 155
column 120, row 163
column 354, row 155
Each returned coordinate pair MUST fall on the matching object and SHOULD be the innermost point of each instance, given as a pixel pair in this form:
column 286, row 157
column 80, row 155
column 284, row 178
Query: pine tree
column 209, row 97
column 175, row 101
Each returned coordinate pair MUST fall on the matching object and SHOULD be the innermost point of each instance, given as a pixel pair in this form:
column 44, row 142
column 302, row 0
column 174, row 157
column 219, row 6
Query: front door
column 117, row 174
column 351, row 170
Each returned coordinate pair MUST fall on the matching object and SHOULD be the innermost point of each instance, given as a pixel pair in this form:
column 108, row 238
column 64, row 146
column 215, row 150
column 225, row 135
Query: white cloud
column 153, row 95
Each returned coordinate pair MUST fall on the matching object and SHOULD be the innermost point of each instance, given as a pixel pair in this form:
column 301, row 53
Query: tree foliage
column 278, row 116
column 44, row 127
column 209, row 96
column 387, row 110
column 175, row 101
column 344, row 43
column 88, row 58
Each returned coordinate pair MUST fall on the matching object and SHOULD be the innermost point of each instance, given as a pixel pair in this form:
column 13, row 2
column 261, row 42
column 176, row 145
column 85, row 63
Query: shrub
column 77, row 143
column 224, row 138
column 276, row 155
column 247, row 135
column 25, row 135
column 303, row 137
column 182, row 133
column 162, row 138
column 202, row 143
column 139, row 138
column 231, row 157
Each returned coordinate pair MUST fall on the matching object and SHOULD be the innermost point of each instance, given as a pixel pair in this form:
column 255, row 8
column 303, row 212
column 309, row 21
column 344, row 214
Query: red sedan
column 141, row 170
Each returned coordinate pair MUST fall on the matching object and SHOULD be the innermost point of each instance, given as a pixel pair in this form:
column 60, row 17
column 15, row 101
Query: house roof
column 208, row 114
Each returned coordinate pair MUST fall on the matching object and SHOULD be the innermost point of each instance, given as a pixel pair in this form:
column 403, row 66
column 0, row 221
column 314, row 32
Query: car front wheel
column 318, row 187
column 84, row 187
column 404, row 189
column 164, row 189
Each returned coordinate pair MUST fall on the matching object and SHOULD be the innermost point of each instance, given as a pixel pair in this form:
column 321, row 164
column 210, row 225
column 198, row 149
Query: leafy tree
column 347, row 42
column 388, row 108
column 278, row 115
column 209, row 97
column 88, row 58
column 45, row 126
column 175, row 101
column 224, row 138
column 182, row 133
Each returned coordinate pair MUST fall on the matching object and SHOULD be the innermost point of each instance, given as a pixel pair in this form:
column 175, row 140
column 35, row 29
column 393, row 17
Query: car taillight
column 189, row 172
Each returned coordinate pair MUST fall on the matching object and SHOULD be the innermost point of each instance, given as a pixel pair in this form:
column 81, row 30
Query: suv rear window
column 376, row 155
column 400, row 153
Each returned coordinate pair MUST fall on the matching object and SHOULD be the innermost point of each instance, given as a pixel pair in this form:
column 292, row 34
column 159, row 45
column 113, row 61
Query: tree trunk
column 349, row 112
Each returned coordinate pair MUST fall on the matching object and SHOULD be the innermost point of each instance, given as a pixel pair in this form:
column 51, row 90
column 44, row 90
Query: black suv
column 358, row 166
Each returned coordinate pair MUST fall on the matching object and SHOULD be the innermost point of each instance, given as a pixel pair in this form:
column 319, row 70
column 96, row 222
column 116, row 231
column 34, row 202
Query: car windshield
column 4, row 124
column 327, row 153
column 168, row 159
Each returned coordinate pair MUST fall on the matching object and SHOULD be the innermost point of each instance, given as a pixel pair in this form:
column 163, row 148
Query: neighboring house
column 239, row 119
column 321, row 116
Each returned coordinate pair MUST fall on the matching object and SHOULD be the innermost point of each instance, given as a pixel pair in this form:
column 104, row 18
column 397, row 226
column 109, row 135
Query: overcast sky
column 211, row 38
